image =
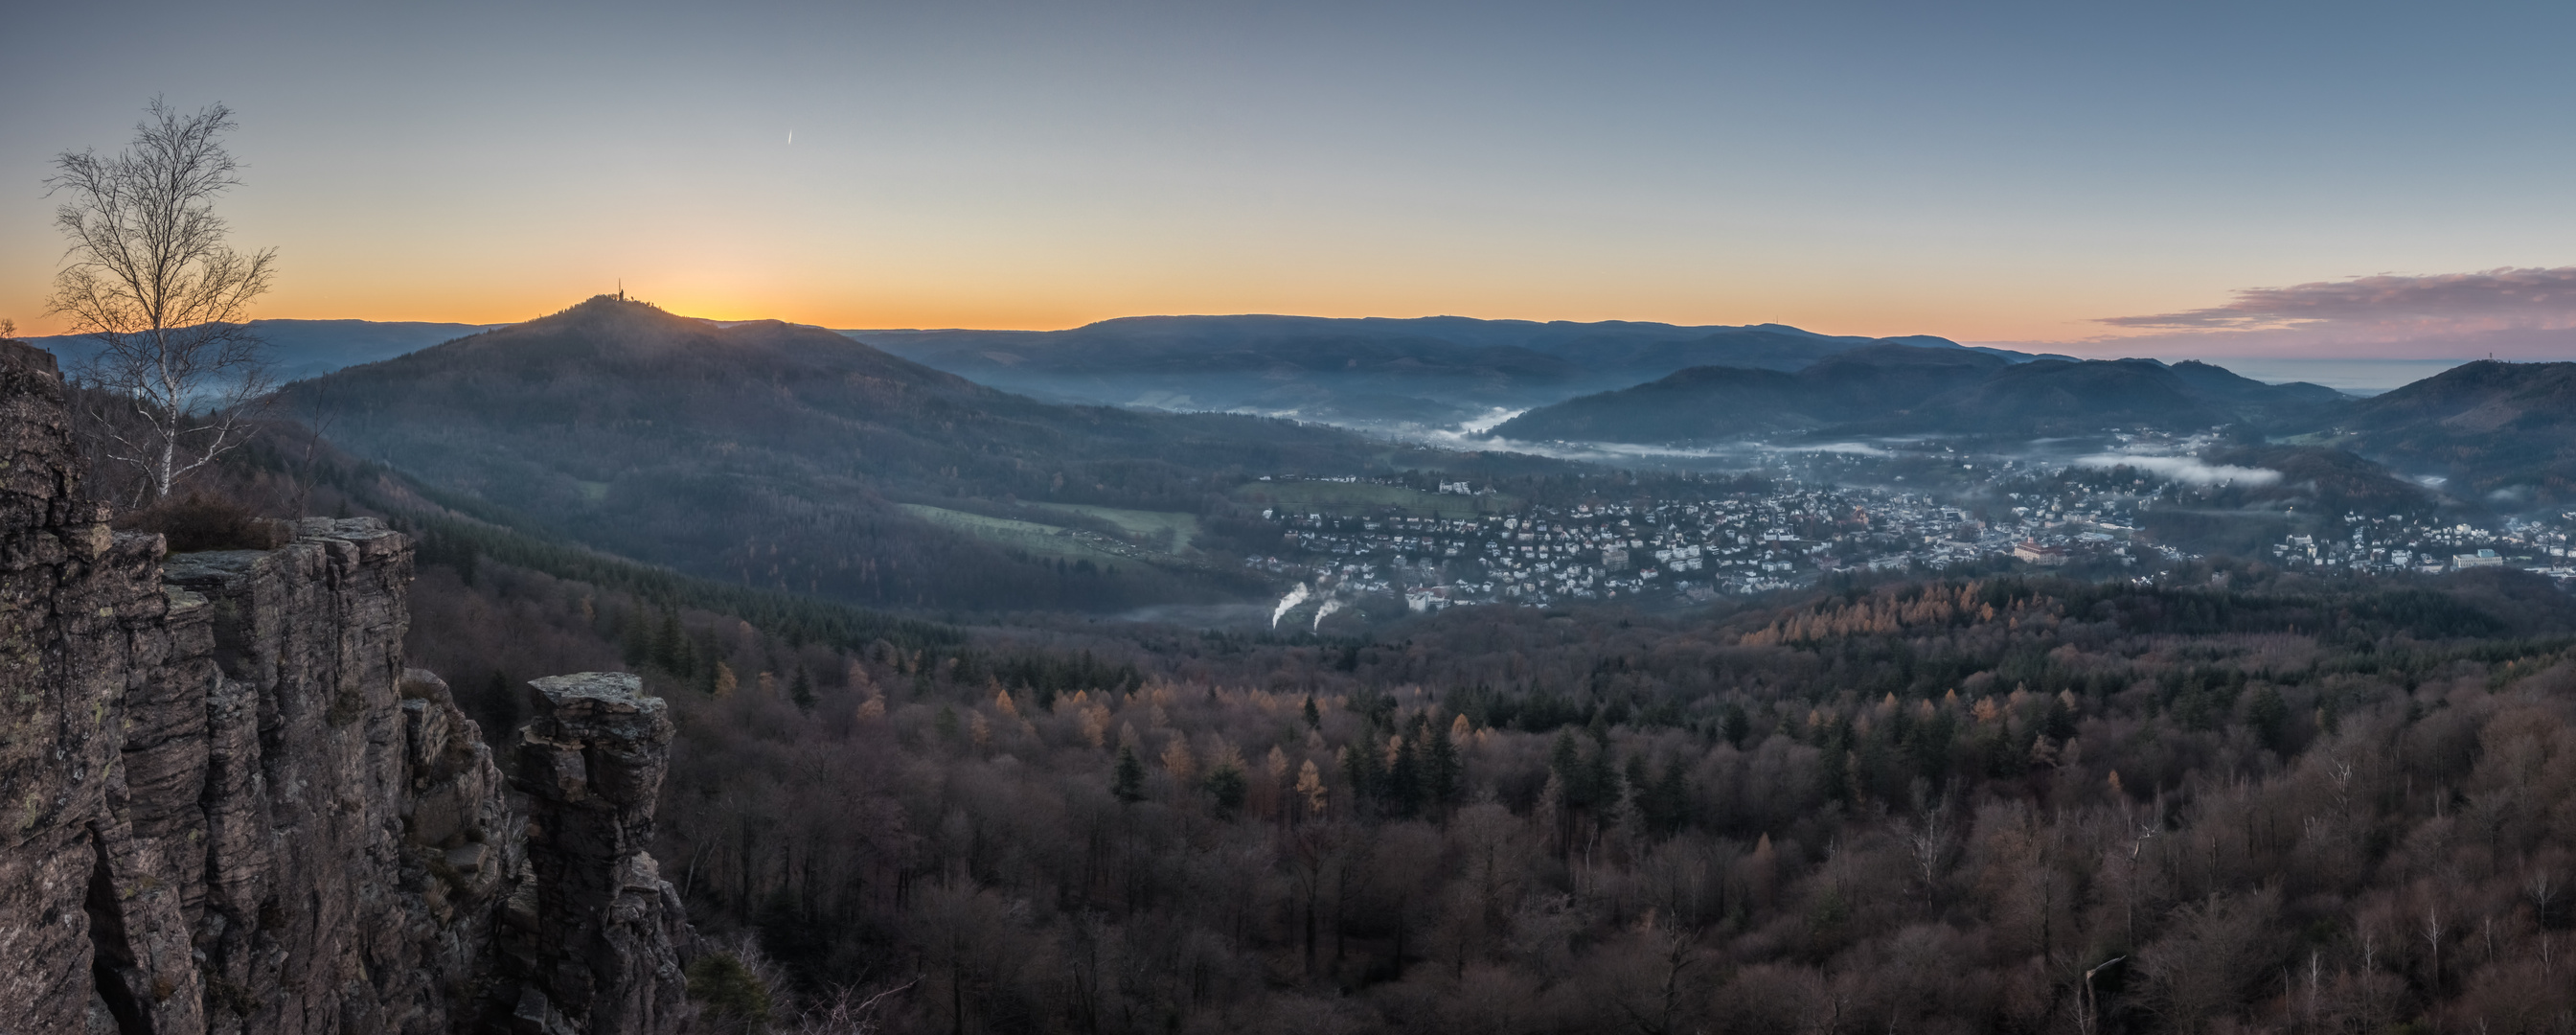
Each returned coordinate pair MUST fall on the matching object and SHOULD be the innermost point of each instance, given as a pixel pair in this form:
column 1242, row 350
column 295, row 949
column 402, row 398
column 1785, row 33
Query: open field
column 1041, row 539
column 1360, row 497
column 1169, row 531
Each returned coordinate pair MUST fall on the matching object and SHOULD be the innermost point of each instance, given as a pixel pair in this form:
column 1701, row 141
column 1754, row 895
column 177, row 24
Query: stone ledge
column 588, row 692
column 209, row 567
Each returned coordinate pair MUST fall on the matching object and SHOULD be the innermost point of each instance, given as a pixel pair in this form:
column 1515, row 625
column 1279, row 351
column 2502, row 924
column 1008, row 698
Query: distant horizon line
column 2104, row 349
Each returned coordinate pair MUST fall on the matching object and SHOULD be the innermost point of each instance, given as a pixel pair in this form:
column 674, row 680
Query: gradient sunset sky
column 2213, row 177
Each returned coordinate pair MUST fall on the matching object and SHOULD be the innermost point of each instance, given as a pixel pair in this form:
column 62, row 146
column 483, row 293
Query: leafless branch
column 844, row 1013
column 149, row 276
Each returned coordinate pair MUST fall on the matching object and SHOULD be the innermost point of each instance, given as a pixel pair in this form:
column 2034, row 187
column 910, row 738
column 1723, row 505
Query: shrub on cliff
column 734, row 995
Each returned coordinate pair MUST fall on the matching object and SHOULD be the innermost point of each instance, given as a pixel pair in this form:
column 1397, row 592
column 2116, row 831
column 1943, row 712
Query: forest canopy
column 1992, row 805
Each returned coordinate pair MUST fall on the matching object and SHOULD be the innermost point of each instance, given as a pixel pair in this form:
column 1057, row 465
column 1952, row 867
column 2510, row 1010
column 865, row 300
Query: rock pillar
column 604, row 927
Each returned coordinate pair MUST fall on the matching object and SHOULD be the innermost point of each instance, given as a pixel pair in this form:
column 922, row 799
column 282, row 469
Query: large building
column 2038, row 553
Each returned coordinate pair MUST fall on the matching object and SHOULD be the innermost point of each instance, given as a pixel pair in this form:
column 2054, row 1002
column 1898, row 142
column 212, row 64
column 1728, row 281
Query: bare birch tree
column 150, row 277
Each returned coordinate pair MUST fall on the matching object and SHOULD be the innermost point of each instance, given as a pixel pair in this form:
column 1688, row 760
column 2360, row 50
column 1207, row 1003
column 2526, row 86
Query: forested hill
column 303, row 348
column 782, row 456
column 1906, row 389
column 1723, row 401
column 1362, row 370
column 2501, row 432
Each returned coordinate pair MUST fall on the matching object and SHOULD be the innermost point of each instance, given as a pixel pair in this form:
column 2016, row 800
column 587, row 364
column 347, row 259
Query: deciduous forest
column 1965, row 806
column 1182, row 522
column 2238, row 799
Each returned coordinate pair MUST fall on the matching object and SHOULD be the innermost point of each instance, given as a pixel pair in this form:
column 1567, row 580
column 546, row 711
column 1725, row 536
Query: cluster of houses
column 2399, row 543
column 1695, row 549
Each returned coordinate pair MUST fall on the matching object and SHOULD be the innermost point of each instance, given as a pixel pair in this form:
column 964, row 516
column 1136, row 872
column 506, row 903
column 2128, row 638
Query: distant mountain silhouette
column 2503, row 434
column 1355, row 370
column 1901, row 389
column 306, row 348
column 775, row 454
column 1882, row 378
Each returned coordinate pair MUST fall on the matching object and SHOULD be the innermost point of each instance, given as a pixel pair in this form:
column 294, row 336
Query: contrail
column 1295, row 597
column 1329, row 607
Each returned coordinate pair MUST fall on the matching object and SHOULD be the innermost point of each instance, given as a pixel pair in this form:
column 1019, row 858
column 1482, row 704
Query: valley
column 968, row 685
column 900, row 485
column 1287, row 519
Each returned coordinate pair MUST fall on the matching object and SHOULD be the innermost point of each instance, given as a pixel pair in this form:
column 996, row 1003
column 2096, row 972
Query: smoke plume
column 1329, row 607
column 1295, row 597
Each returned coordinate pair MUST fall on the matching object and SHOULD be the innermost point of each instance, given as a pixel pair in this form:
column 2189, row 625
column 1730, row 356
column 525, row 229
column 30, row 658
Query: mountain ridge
column 1360, row 370
column 2501, row 432
column 1900, row 389
column 789, row 457
column 306, row 348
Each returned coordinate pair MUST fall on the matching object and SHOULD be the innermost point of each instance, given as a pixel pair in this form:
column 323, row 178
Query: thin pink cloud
column 2444, row 305
column 2510, row 313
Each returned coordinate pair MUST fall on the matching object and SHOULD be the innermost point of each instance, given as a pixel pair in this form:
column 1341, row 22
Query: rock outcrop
column 225, row 805
column 603, row 920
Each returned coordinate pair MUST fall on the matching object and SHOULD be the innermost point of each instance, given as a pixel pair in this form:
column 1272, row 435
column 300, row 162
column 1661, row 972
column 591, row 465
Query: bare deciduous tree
column 846, row 1010
column 2207, row 963
column 149, row 275
column 1928, row 841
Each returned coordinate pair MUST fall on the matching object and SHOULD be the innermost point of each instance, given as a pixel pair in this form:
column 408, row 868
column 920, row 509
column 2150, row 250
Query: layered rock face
column 225, row 806
column 605, row 920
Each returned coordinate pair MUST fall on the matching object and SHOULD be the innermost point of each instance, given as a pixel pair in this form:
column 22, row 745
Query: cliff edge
column 226, row 805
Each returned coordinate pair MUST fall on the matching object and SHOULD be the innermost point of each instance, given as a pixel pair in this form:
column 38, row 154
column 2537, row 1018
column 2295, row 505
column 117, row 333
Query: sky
column 2135, row 179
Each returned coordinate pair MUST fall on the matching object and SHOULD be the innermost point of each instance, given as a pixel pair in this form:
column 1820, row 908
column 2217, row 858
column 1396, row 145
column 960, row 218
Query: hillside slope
column 306, row 348
column 2500, row 433
column 1430, row 370
column 777, row 455
column 1899, row 389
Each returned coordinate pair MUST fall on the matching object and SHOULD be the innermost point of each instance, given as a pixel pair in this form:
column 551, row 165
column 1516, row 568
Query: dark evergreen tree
column 669, row 644
column 1442, row 768
column 1364, row 769
column 1127, row 781
column 1601, row 778
column 1228, row 785
column 634, row 636
column 1667, row 801
column 2269, row 717
column 1404, row 780
column 2060, row 721
column 1565, row 759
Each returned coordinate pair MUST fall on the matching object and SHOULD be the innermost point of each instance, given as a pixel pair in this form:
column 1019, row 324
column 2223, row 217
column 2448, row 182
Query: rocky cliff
column 225, row 805
column 605, row 922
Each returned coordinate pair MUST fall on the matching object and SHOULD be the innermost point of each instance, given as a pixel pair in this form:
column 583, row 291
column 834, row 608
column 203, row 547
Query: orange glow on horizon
column 1051, row 311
